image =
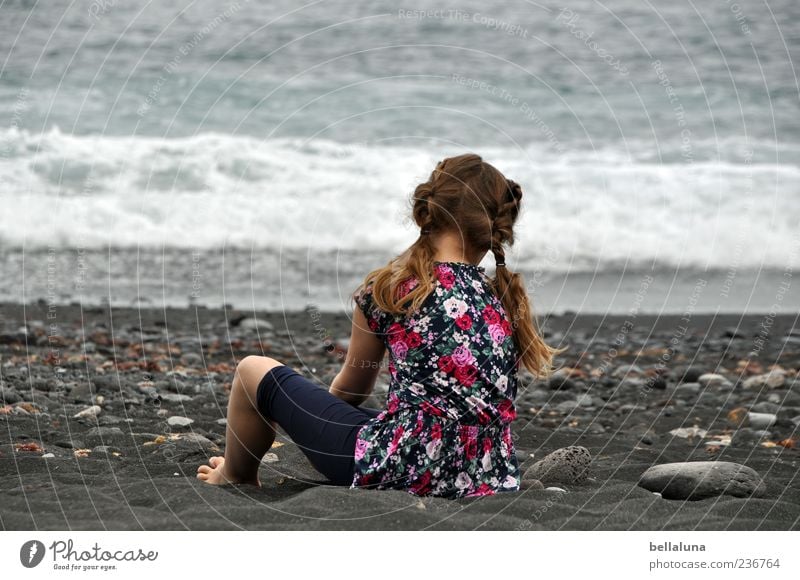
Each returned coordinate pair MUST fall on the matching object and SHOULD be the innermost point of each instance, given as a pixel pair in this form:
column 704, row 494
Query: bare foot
column 214, row 473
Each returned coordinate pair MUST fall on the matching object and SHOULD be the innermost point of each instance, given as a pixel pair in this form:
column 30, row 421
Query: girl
column 456, row 340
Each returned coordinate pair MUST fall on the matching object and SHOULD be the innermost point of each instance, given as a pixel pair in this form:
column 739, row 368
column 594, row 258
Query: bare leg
column 248, row 436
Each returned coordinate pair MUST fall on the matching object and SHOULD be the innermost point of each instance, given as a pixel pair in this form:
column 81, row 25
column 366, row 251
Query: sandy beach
column 107, row 413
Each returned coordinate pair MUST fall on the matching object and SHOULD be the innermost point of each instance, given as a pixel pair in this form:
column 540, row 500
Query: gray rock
column 105, row 436
column 177, row 421
column 88, row 413
column 713, row 380
column 746, row 437
column 696, row 480
column 566, row 465
column 255, row 324
column 9, row 396
column 531, row 484
column 688, row 374
column 761, row 420
column 191, row 359
column 175, row 398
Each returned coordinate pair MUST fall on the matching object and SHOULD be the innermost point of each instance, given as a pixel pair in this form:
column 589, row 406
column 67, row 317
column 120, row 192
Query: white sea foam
column 584, row 209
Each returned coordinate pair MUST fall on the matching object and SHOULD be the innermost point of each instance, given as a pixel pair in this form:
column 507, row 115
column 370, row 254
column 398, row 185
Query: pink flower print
column 398, row 434
column 462, row 356
column 400, row 350
column 445, row 276
column 497, row 334
column 361, row 449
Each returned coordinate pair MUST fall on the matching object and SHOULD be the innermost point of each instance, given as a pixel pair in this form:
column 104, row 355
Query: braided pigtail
column 534, row 353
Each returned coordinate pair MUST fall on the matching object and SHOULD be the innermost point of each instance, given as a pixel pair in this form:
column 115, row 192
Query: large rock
column 567, row 465
column 697, row 480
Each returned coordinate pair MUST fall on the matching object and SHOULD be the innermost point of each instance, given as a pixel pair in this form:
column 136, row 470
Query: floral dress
column 446, row 429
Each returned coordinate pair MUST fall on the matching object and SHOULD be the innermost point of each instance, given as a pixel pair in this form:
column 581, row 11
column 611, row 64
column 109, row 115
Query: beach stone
column 697, row 480
column 688, row 432
column 747, row 437
column 567, row 406
column 624, row 371
column 557, row 489
column 761, row 420
column 9, row 396
column 255, row 324
column 177, row 421
column 566, row 465
column 561, row 383
column 105, row 435
column 687, row 389
column 766, row 407
column 712, row 380
column 88, row 413
column 175, row 398
column 733, row 332
column 530, row 484
column 191, row 359
column 688, row 374
column 773, row 379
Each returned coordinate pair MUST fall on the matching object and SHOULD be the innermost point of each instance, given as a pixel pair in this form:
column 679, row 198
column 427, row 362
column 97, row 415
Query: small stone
column 48, row 456
column 191, row 359
column 87, row 413
column 712, row 380
column 105, row 435
column 761, row 420
column 269, row 458
column 566, row 465
column 773, row 380
column 175, row 398
column 176, row 421
column 697, row 480
column 558, row 489
column 222, row 421
column 531, row 484
column 255, row 324
column 733, row 333
column 688, row 432
column 688, row 374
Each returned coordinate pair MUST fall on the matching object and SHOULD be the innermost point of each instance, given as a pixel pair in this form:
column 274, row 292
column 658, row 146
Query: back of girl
column 456, row 340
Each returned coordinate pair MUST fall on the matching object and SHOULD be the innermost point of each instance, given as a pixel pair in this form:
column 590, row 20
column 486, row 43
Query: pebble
column 9, row 396
column 89, row 412
column 566, row 465
column 713, row 380
column 688, row 374
column 773, row 380
column 255, row 324
column 558, row 489
column 761, row 420
column 105, row 435
column 175, row 398
column 531, row 484
column 688, row 432
column 177, row 421
column 191, row 359
column 733, row 333
column 697, row 480
column 48, row 456
column 222, row 421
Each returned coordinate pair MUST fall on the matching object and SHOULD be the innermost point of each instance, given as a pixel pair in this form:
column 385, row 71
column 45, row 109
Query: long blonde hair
column 467, row 195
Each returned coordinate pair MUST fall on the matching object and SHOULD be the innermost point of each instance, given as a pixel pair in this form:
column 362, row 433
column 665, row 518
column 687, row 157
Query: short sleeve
column 376, row 318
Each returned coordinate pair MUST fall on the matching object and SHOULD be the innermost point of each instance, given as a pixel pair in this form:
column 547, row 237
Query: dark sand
column 137, row 484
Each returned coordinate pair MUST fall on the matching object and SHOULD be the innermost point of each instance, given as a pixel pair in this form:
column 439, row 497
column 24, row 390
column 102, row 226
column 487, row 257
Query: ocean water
column 263, row 156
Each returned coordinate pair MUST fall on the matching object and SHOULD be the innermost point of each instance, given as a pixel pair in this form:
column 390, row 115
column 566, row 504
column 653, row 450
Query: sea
column 262, row 155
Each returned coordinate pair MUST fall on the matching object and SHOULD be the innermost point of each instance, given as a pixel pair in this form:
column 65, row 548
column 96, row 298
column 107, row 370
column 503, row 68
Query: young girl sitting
column 456, row 340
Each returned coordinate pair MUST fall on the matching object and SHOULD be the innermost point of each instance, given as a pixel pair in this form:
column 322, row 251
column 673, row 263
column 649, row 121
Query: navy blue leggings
column 321, row 424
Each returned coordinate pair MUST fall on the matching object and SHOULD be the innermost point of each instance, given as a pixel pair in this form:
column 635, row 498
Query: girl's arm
column 355, row 381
